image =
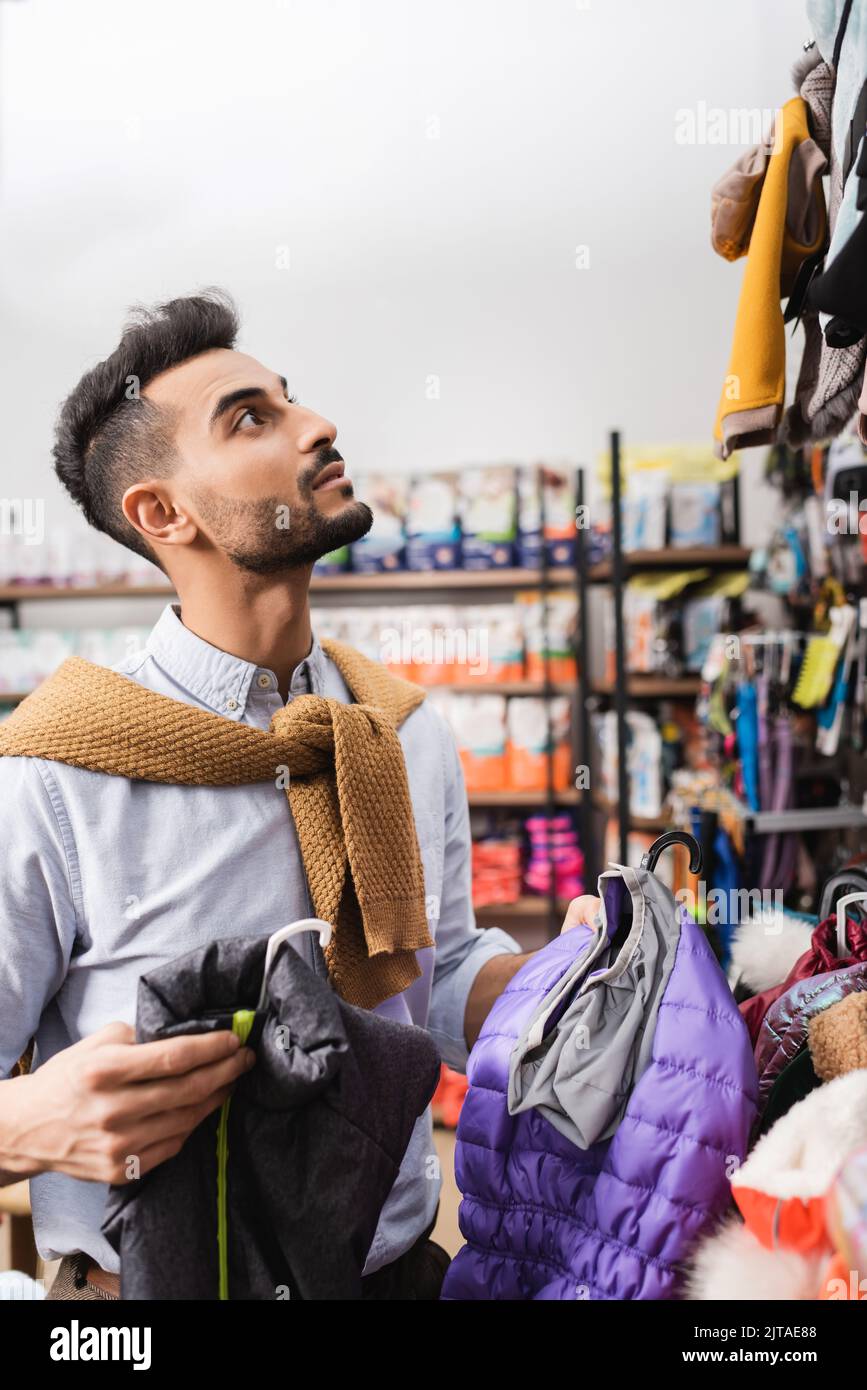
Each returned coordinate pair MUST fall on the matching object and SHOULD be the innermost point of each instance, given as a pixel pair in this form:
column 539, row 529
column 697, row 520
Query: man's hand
column 94, row 1106
column 583, row 911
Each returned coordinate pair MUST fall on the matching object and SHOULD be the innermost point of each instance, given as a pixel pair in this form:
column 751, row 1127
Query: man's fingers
column 162, row 1129
column 156, row 1154
column 113, row 1065
column 130, row 1101
column 582, row 911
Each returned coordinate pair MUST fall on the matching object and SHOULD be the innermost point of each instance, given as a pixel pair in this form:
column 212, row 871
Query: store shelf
column 672, row 557
column 529, row 906
column 401, row 581
column 610, row 808
column 807, row 818
column 483, row 687
column 29, row 593
column 654, row 687
column 408, row 580
column 517, row 799
column 469, row 687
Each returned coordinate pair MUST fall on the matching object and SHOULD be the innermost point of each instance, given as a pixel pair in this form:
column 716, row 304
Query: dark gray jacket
column 316, row 1134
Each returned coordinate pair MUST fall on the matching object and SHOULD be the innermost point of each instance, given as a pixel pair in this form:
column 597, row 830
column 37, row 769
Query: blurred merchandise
column 554, row 850
column 448, row 1097
column 677, row 495
column 433, row 534
column 28, row 656
column 670, row 619
column 335, row 562
column 552, row 490
column 478, row 723
column 644, row 762
column 488, row 517
column 556, row 614
column 695, row 518
column 529, row 742
column 503, row 742
column 70, row 556
column 383, row 548
column 443, row 643
column 496, row 866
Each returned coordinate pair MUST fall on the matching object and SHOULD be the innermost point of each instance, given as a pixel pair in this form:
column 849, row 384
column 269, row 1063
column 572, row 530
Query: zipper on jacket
column 242, row 1022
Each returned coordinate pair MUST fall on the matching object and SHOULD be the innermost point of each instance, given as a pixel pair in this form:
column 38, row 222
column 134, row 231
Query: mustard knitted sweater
column 342, row 768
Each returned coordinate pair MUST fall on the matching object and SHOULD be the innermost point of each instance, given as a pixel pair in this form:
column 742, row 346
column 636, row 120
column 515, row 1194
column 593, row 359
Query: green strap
column 242, row 1022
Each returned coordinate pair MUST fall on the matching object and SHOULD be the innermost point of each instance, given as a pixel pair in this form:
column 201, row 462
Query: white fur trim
column 732, row 1265
column 800, row 1155
column 763, row 952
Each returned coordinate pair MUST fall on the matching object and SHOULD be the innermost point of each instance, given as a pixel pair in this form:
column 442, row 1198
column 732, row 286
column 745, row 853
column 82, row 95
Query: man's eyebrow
column 243, row 393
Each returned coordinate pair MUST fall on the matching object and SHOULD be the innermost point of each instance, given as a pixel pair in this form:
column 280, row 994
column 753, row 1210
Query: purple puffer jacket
column 544, row 1219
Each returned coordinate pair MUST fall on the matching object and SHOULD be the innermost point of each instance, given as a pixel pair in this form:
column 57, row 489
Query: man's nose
column 316, row 432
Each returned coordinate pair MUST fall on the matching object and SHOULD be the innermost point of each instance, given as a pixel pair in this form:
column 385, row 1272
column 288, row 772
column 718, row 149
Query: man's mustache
column 308, row 475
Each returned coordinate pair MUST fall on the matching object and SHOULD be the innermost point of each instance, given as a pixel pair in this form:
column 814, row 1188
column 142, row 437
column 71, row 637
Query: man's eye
column 248, row 414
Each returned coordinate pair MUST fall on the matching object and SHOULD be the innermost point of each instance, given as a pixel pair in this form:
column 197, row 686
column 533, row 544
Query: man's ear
column 150, row 509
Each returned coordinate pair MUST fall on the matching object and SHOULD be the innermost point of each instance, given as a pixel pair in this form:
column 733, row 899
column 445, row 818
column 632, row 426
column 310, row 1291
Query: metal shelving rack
column 628, row 687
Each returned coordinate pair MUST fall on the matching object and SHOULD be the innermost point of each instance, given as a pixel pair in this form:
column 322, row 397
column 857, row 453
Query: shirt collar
column 214, row 677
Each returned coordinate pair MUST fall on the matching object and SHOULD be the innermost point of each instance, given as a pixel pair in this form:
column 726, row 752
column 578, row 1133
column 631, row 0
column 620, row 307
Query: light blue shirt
column 103, row 879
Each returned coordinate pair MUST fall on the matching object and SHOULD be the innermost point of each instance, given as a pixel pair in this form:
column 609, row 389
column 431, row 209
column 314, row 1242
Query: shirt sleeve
column 462, row 948
column 37, row 911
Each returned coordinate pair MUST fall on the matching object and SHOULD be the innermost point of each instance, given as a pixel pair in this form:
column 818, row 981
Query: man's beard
column 268, row 536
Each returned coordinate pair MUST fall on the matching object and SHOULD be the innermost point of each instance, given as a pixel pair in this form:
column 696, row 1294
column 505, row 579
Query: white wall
column 151, row 149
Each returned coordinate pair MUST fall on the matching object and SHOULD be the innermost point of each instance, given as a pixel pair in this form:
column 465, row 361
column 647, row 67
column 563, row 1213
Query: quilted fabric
column 820, row 958
column 785, row 1027
column 545, row 1220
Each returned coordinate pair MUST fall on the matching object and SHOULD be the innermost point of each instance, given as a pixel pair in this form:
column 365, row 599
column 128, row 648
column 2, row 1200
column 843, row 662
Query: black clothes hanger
column 649, row 861
column 674, row 837
column 852, row 880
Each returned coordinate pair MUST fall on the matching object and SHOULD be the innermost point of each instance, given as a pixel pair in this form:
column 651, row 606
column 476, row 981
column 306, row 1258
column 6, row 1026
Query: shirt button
column 263, row 681
column 231, row 704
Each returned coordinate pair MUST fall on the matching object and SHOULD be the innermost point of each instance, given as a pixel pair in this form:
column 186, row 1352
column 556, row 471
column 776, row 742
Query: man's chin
column 320, row 535
column 345, row 522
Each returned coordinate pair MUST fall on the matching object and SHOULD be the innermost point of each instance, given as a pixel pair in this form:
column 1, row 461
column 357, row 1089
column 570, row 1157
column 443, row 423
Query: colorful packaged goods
column 554, row 850
column 433, row 536
column 478, row 723
column 496, row 866
column 529, row 743
column 494, row 644
column 538, row 484
column 335, row 562
column 383, row 548
column 487, row 501
column 559, row 614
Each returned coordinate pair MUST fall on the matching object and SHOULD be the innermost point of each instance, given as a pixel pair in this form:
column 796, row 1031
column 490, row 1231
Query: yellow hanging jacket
column 790, row 226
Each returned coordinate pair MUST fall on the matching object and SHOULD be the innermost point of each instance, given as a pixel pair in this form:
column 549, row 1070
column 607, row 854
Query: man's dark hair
column 108, row 436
